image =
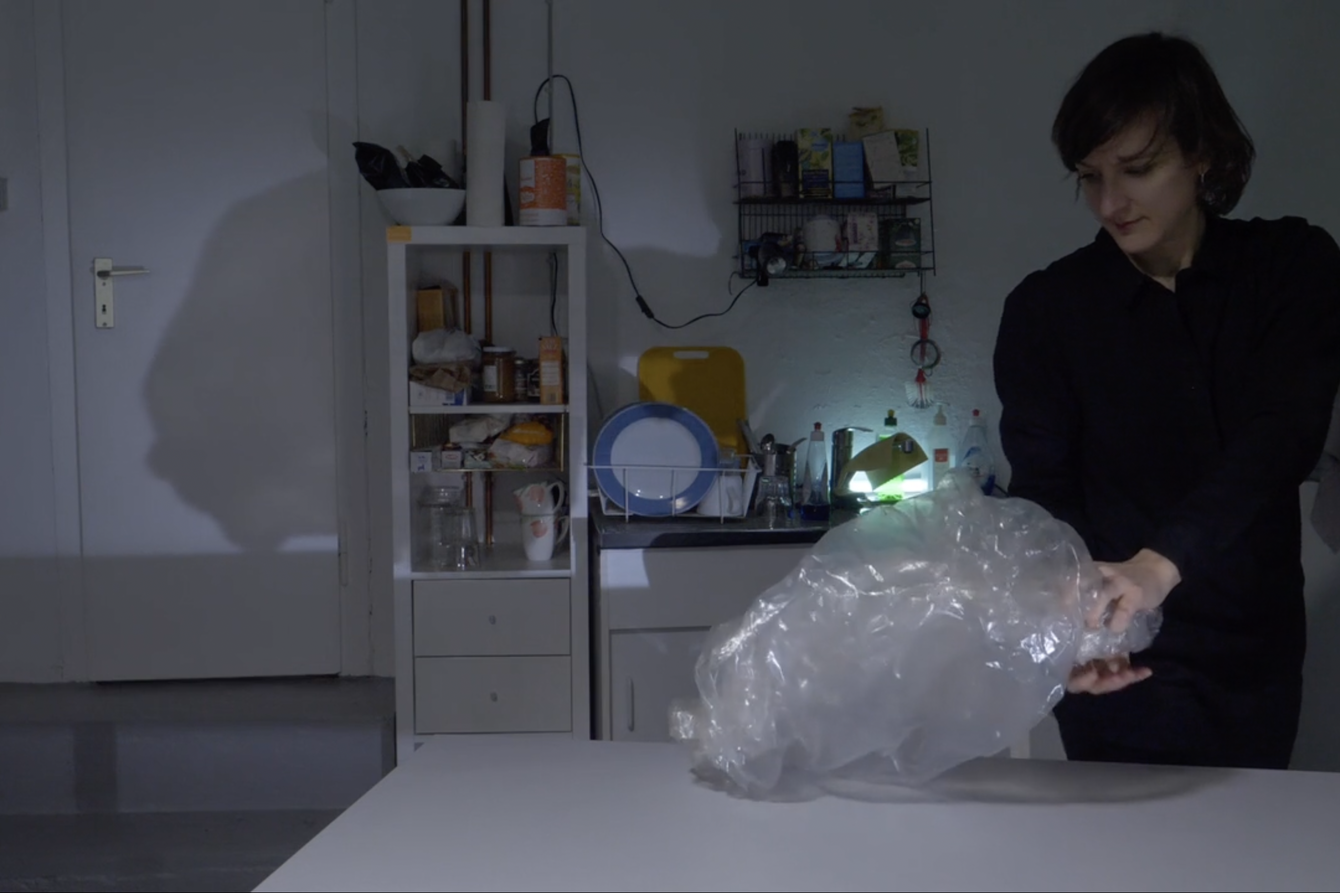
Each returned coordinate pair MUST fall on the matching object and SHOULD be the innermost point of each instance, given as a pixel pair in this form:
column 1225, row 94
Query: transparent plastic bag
column 912, row 639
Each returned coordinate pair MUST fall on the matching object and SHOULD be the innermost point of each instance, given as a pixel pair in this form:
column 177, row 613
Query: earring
column 1209, row 196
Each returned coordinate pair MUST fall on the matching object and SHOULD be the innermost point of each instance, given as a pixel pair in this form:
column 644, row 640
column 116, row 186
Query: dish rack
column 748, row 475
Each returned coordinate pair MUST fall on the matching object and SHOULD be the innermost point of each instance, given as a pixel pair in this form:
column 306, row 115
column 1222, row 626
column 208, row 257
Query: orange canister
column 544, row 190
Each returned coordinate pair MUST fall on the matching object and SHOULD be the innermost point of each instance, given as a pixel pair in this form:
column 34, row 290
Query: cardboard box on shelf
column 551, row 370
column 435, row 307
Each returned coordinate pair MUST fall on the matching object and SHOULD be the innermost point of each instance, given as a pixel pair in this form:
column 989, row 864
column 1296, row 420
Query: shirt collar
column 1213, row 258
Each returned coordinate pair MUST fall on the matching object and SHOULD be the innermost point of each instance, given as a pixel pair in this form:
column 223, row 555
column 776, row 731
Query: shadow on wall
column 241, row 392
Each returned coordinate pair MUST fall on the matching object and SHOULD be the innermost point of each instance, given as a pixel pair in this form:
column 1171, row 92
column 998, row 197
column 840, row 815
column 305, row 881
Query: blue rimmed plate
column 655, row 459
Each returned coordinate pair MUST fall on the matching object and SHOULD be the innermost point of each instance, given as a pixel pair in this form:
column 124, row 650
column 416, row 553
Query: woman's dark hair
column 1169, row 78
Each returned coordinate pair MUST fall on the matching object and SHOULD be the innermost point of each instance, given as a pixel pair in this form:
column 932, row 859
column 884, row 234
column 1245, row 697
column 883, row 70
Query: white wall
column 661, row 87
column 30, row 645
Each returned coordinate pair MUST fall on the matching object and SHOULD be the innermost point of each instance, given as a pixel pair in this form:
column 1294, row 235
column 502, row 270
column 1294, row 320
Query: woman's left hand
column 1140, row 584
column 1100, row 677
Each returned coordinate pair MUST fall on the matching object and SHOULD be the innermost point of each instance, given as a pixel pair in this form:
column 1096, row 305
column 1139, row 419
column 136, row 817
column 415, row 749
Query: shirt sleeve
column 1273, row 447
column 1040, row 416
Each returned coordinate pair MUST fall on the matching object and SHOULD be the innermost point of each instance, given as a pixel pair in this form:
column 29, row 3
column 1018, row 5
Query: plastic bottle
column 814, row 505
column 974, row 453
column 941, row 447
column 894, row 490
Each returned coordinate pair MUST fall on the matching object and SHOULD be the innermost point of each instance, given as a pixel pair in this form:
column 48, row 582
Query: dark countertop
column 697, row 531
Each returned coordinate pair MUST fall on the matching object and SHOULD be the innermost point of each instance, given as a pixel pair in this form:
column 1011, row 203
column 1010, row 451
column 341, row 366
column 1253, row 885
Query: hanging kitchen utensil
column 925, row 356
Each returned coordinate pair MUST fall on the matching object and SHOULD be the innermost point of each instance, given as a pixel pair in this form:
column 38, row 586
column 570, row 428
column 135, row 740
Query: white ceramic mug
column 726, row 497
column 540, row 499
column 541, row 534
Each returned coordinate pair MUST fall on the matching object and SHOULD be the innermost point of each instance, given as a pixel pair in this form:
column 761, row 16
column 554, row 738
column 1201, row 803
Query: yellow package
column 529, row 433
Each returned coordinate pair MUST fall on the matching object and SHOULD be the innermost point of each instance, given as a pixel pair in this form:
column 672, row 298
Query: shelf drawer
column 482, row 618
column 492, row 695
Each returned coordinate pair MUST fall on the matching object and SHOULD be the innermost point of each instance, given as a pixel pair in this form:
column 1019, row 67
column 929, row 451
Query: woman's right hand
column 1100, row 677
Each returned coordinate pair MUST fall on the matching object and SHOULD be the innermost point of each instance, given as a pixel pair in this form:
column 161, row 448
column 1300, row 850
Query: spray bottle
column 974, row 454
column 892, row 491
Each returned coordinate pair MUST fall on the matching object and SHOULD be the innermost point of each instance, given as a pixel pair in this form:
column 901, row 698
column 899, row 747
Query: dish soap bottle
column 917, row 479
column 814, row 505
column 974, row 454
column 893, row 490
column 942, row 449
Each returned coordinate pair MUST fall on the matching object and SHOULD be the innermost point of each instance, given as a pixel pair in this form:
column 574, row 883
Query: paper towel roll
column 485, row 159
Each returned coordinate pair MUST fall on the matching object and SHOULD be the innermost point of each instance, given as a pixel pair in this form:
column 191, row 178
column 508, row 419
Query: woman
column 1166, row 389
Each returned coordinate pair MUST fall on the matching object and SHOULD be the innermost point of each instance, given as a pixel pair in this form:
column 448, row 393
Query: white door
column 206, row 413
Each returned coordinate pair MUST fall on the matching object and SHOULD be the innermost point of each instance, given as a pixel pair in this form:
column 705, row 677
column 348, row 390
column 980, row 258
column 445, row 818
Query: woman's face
column 1142, row 189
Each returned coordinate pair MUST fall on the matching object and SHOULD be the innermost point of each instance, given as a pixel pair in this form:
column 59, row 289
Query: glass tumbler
column 773, row 503
column 450, row 537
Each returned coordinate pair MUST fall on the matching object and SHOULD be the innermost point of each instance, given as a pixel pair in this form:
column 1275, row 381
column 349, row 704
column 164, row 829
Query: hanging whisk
column 925, row 356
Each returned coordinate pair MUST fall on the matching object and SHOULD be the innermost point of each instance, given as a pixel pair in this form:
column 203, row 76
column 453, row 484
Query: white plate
column 655, row 459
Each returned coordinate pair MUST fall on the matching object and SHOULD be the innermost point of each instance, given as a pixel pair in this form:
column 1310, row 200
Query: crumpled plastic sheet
column 909, row 640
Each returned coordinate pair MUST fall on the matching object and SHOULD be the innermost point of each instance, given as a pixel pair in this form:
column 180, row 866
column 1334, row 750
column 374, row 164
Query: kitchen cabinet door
column 648, row 670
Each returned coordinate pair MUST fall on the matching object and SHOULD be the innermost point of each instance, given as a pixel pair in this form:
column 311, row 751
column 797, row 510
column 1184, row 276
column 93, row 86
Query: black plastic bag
column 379, row 167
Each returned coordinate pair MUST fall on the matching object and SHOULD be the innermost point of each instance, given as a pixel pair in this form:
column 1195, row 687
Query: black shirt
column 1183, row 422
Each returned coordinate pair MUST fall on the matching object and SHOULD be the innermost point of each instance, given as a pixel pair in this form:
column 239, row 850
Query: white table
column 550, row 814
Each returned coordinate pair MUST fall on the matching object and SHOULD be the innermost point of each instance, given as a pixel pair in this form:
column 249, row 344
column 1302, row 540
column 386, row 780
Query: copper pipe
column 488, row 94
column 467, row 303
column 488, row 260
column 488, row 296
column 488, row 508
column 465, row 67
column 467, row 298
column 488, row 52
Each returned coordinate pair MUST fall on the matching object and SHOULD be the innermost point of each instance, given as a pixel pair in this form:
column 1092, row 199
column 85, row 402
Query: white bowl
column 423, row 206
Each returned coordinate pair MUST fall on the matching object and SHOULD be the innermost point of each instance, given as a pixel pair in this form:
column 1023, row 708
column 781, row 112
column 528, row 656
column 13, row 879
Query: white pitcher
column 541, row 534
column 540, row 499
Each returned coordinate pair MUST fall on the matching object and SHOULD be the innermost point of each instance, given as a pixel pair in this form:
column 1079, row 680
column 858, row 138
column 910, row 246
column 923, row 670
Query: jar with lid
column 499, row 375
column 523, row 370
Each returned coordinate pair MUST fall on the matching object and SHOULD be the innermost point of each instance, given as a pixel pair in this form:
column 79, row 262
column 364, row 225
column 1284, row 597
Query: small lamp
column 879, row 463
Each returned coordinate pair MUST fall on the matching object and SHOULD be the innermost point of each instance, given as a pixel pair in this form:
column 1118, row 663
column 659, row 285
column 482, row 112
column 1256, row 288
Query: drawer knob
column 493, row 696
column 492, row 619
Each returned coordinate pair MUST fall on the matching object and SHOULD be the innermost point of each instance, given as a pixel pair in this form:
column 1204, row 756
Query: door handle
column 103, row 272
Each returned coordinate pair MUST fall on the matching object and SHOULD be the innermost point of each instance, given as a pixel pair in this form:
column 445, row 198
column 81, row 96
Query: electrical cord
column 600, row 216
column 729, row 307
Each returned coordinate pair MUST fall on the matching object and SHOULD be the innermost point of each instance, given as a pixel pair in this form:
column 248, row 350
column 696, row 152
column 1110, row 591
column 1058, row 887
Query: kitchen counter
column 695, row 531
column 557, row 814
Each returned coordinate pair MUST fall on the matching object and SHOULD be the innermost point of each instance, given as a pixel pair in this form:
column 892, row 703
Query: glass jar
column 522, row 377
column 448, row 536
column 499, row 375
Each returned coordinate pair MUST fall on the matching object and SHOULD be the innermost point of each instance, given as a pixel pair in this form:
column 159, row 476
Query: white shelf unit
column 503, row 648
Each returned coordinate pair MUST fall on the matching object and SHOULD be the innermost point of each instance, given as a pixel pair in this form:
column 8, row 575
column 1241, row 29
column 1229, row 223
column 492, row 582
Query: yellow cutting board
column 708, row 381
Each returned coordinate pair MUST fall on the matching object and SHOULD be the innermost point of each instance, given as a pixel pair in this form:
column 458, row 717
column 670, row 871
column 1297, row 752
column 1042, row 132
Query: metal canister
column 522, row 378
column 788, row 467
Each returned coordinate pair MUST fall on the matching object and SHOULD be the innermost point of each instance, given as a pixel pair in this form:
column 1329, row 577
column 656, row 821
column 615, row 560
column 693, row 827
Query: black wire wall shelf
column 879, row 229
